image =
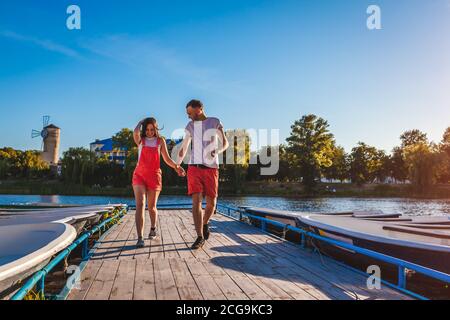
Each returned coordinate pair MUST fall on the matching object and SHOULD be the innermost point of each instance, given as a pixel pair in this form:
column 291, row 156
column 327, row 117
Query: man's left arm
column 223, row 141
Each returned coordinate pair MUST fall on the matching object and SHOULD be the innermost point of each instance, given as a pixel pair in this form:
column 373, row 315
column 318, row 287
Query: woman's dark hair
column 194, row 104
column 145, row 123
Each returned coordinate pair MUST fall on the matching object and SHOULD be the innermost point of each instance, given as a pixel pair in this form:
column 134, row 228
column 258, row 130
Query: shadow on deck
column 237, row 262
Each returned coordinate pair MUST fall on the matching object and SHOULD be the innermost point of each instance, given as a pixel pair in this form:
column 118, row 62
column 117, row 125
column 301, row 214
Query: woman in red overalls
column 147, row 179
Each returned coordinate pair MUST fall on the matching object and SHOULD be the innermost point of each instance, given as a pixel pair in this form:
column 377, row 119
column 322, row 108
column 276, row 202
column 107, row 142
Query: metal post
column 84, row 249
column 402, row 277
column 40, row 286
column 263, row 225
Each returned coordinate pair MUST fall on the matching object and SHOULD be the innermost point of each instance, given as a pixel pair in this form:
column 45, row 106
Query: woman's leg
column 139, row 195
column 152, row 198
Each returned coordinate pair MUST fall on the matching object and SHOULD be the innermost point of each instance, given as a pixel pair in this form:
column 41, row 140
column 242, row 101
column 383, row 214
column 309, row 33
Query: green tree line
column 308, row 155
column 311, row 154
column 16, row 164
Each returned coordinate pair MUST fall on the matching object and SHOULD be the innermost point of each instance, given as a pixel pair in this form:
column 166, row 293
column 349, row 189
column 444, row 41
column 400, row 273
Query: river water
column 389, row 205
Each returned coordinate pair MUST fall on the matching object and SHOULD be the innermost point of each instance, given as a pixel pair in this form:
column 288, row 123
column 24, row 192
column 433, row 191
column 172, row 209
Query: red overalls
column 148, row 170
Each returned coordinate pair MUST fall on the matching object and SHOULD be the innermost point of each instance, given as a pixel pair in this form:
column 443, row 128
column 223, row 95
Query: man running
column 208, row 141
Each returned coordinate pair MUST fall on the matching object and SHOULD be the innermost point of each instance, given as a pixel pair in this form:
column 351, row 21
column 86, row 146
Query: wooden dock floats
column 238, row 262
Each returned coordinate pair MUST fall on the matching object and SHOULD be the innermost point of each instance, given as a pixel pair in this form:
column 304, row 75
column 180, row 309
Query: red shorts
column 151, row 181
column 202, row 180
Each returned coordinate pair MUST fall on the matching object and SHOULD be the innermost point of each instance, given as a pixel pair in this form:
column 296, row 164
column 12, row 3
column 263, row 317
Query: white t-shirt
column 149, row 142
column 204, row 139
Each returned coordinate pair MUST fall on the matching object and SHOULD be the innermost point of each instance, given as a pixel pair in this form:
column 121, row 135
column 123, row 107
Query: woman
column 147, row 180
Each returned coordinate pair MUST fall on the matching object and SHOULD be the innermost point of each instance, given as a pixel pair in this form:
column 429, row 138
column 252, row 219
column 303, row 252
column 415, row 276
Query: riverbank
column 280, row 189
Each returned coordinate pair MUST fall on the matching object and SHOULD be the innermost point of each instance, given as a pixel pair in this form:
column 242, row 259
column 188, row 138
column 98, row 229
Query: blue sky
column 255, row 64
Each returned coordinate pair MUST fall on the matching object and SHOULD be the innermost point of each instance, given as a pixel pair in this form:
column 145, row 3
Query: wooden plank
column 226, row 284
column 261, row 270
column 259, row 275
column 169, row 246
column 106, row 243
column 180, row 245
column 144, row 252
column 86, row 279
column 204, row 281
column 187, row 230
column 250, row 288
column 334, row 273
column 166, row 288
column 185, row 234
column 283, row 280
column 129, row 248
column 144, row 282
column 312, row 278
column 187, row 288
column 157, row 245
column 116, row 248
column 124, row 282
column 104, row 280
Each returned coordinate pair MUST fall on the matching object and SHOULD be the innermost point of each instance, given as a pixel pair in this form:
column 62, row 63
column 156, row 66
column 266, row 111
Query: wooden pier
column 238, row 262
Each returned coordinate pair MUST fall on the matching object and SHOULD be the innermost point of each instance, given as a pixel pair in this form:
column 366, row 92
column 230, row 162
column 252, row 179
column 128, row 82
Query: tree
column 413, row 137
column 72, row 164
column 312, row 144
column 445, row 143
column 340, row 167
column 124, row 140
column 33, row 165
column 286, row 165
column 398, row 169
column 22, row 164
column 365, row 163
column 237, row 158
column 382, row 166
column 443, row 170
column 421, row 161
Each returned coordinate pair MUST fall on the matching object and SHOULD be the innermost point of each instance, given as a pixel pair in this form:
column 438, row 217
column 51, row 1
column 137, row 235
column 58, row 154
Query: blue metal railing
column 402, row 265
column 38, row 279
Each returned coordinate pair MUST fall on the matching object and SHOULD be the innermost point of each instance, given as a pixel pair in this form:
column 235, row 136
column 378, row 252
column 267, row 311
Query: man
column 208, row 141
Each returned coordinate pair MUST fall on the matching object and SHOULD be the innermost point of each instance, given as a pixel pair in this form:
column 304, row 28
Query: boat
column 26, row 248
column 421, row 240
column 79, row 217
column 290, row 218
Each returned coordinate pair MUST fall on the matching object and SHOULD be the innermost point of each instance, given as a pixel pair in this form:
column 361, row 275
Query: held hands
column 180, row 171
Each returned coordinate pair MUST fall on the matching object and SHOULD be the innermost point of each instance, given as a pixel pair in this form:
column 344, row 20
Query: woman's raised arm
column 137, row 133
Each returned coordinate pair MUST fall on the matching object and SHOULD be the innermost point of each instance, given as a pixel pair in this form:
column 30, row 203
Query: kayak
column 421, row 240
column 26, row 248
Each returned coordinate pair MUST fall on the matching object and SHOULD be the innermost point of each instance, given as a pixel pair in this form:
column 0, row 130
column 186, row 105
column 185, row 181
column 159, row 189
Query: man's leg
column 197, row 213
column 211, row 181
column 210, row 208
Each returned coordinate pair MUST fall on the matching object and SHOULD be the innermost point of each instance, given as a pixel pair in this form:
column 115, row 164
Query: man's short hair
column 195, row 104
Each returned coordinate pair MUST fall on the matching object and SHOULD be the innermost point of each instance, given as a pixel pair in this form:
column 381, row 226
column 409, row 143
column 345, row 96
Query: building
column 104, row 147
column 51, row 140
